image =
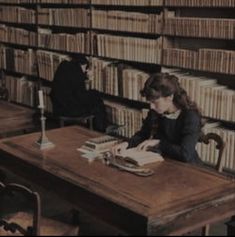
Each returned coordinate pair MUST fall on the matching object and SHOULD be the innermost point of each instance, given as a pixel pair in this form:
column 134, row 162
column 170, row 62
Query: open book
column 140, row 158
column 94, row 147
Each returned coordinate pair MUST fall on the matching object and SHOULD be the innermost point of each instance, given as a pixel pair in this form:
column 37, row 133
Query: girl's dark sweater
column 178, row 137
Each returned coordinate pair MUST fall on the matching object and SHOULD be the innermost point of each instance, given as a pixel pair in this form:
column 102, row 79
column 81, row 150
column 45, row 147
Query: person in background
column 173, row 124
column 71, row 96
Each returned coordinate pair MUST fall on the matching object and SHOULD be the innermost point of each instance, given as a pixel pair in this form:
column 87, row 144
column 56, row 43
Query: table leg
column 2, row 176
column 231, row 227
column 206, row 230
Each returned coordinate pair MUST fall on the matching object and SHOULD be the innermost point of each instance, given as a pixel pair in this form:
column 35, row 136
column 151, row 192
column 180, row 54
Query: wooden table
column 14, row 118
column 176, row 199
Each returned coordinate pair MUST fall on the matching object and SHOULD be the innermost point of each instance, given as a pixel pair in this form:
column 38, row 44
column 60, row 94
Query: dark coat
column 69, row 95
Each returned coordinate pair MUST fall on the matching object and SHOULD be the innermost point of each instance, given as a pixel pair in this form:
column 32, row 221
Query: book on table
column 139, row 157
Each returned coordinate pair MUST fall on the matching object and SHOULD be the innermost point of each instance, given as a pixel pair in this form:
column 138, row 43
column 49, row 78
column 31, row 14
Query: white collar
column 174, row 115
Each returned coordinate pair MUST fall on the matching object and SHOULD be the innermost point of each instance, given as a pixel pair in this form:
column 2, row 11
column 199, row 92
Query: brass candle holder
column 43, row 141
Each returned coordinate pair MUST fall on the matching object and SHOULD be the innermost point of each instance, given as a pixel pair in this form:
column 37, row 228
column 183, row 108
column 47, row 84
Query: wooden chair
column 83, row 119
column 220, row 145
column 26, row 223
column 4, row 93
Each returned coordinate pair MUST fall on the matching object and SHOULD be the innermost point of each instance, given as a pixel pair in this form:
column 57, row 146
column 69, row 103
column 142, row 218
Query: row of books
column 70, row 17
column 212, row 60
column 179, row 3
column 18, row 36
column 118, row 79
column 200, row 27
column 64, row 1
column 17, row 60
column 48, row 63
column 217, row 60
column 123, row 21
column 209, row 153
column 18, row 1
column 129, row 119
column 133, row 81
column 200, row 3
column 129, row 48
column 26, row 62
column 75, row 43
column 17, row 15
column 21, row 89
column 45, row 1
column 105, row 77
column 127, row 21
column 180, row 58
column 129, row 2
column 97, row 2
column 215, row 100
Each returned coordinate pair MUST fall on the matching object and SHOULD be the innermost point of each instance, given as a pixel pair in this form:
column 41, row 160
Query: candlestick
column 43, row 141
column 41, row 101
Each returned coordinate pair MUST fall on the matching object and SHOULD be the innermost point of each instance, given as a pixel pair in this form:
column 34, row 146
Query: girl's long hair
column 163, row 85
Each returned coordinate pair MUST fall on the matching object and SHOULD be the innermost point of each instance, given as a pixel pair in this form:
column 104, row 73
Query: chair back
column 220, row 145
column 33, row 198
column 87, row 120
column 4, row 93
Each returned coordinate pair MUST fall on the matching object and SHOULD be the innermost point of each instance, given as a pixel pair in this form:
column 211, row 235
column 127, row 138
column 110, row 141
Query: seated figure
column 70, row 96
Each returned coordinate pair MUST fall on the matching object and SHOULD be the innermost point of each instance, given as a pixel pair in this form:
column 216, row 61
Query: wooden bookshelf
column 198, row 48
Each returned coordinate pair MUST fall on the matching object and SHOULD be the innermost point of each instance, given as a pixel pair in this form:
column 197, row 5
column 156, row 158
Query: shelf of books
column 127, row 40
column 198, row 48
column 200, row 3
column 36, row 36
column 17, row 57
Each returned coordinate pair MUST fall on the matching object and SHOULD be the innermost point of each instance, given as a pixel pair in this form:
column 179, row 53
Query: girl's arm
column 145, row 131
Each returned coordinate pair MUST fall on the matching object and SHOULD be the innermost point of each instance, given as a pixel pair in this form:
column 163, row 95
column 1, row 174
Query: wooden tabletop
column 175, row 191
column 14, row 117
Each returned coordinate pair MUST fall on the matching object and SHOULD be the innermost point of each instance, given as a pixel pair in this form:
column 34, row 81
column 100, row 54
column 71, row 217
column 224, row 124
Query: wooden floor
column 54, row 207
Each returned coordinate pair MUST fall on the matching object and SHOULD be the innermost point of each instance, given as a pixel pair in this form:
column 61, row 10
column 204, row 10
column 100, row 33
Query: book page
column 140, row 157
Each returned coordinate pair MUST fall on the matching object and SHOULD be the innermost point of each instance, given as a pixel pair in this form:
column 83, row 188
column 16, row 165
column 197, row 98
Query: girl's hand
column 147, row 144
column 117, row 149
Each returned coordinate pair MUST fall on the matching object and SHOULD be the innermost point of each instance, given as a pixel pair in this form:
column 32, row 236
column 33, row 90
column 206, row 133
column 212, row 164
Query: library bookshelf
column 125, row 41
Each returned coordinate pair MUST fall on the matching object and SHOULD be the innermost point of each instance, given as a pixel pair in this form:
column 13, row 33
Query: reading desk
column 178, row 198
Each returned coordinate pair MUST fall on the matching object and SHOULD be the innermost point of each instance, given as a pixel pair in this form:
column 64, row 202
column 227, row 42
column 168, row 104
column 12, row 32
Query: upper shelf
column 200, row 3
column 144, row 3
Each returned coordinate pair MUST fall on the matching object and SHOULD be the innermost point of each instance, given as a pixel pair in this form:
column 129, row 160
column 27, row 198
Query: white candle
column 41, row 103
